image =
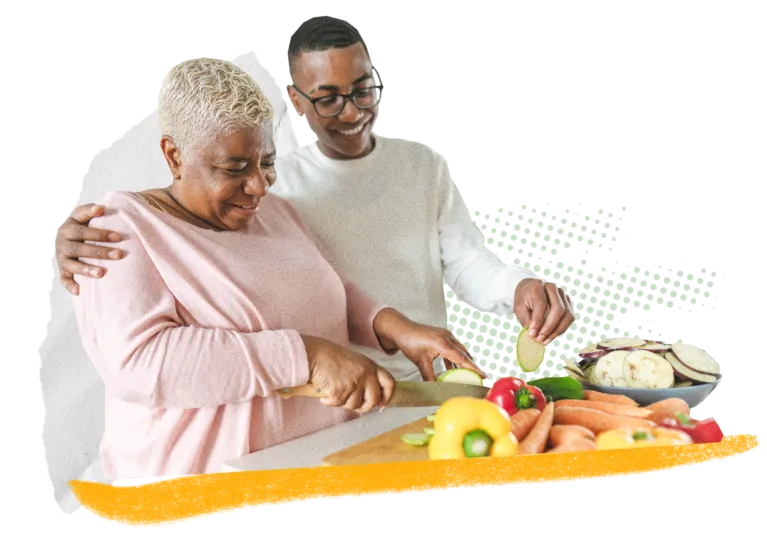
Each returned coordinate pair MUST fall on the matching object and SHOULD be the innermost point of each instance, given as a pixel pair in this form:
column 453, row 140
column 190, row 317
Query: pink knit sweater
column 194, row 331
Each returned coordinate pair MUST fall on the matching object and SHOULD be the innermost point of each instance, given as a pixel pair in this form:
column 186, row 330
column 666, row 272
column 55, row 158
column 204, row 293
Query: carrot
column 609, row 407
column 667, row 408
column 578, row 444
column 597, row 421
column 605, row 397
column 538, row 437
column 523, row 421
column 562, row 434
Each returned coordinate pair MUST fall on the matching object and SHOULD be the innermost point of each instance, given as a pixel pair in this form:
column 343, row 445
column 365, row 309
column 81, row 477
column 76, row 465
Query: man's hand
column 543, row 308
column 70, row 247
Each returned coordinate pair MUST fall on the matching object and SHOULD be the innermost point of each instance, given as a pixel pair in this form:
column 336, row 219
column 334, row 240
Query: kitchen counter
column 310, row 450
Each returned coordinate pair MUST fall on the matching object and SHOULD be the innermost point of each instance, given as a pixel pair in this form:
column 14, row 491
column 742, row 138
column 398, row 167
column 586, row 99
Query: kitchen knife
column 406, row 394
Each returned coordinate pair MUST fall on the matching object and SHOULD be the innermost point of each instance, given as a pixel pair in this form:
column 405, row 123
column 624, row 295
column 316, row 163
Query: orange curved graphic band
column 176, row 501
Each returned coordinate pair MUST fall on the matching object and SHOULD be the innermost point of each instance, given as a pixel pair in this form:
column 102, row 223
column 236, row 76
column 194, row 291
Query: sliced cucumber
column 460, row 375
column 415, row 439
column 429, row 431
column 431, row 417
column 529, row 352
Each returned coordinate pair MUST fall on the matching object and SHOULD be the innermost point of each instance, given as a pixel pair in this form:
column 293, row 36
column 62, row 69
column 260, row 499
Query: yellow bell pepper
column 471, row 427
column 618, row 439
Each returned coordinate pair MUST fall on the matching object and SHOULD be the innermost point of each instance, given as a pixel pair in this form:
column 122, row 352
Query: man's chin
column 351, row 149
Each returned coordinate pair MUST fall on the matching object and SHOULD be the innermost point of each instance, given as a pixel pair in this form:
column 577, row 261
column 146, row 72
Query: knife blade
column 406, row 394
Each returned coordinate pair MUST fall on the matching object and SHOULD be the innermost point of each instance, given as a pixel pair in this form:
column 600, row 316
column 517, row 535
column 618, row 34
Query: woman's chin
column 237, row 218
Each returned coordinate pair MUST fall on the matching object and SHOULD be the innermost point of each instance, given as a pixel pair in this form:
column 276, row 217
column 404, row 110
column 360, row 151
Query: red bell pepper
column 701, row 432
column 513, row 395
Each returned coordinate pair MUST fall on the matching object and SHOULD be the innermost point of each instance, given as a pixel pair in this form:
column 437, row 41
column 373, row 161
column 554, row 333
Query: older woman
column 226, row 298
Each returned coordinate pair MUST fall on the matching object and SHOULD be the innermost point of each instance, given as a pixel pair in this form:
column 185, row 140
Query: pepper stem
column 477, row 443
column 525, row 399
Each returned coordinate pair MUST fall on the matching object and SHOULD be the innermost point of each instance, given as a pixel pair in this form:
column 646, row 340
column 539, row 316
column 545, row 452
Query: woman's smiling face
column 223, row 181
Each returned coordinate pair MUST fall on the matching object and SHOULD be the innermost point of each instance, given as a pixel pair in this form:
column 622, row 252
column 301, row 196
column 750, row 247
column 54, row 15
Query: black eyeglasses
column 333, row 104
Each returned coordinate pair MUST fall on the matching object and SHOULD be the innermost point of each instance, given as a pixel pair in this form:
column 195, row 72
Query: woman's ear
column 172, row 156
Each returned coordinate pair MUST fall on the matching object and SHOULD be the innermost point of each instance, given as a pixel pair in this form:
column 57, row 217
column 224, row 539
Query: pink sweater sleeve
column 361, row 310
column 133, row 334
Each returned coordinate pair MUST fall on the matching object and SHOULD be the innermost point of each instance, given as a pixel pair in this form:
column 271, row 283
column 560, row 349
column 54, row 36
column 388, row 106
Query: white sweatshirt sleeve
column 472, row 271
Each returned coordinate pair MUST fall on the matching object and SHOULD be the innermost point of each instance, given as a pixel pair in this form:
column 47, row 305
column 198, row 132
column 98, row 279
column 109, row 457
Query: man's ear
column 172, row 155
column 295, row 100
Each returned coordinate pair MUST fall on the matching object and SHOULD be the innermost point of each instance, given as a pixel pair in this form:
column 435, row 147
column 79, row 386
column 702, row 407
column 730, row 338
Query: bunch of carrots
column 573, row 425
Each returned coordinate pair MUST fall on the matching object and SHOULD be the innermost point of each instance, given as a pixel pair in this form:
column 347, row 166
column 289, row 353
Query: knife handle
column 307, row 390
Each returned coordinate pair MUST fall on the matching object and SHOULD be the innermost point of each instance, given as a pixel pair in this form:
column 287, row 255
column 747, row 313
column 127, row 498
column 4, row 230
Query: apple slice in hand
column 529, row 352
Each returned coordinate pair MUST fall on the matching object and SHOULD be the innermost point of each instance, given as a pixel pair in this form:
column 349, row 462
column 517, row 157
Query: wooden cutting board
column 384, row 448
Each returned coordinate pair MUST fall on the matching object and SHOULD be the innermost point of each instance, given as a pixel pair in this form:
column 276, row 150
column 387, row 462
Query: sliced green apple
column 529, row 352
column 460, row 375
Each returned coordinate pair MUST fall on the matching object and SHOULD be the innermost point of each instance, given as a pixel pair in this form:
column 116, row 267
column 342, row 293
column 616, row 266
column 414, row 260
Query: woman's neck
column 164, row 200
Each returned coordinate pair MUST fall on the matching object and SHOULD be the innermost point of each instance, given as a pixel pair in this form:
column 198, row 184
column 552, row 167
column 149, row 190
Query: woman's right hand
column 348, row 378
column 70, row 246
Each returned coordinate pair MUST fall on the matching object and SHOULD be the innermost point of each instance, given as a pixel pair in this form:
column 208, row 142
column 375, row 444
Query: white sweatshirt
column 394, row 223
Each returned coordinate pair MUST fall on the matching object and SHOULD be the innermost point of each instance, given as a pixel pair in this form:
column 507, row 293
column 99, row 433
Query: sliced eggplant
column 683, row 384
column 592, row 352
column 686, row 373
column 621, row 343
column 575, row 375
column 609, row 370
column 656, row 348
column 590, row 375
column 574, row 368
column 695, row 359
column 646, row 370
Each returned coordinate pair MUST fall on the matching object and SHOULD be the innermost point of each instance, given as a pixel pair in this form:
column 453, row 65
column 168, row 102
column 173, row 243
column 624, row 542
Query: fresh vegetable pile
column 643, row 364
column 554, row 415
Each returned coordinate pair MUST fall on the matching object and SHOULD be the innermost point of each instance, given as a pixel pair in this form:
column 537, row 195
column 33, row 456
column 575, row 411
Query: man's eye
column 235, row 171
column 327, row 100
column 363, row 92
column 268, row 165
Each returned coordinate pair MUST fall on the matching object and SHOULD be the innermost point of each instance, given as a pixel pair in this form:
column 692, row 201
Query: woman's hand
column 421, row 343
column 349, row 378
column 70, row 246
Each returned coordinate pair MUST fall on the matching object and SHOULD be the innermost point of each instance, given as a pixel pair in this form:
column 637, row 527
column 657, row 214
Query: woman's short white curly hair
column 203, row 98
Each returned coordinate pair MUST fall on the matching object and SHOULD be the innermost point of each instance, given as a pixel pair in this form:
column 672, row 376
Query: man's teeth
column 353, row 131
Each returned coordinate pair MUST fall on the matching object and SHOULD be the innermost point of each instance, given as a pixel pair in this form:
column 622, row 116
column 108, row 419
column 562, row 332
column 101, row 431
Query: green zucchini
column 559, row 388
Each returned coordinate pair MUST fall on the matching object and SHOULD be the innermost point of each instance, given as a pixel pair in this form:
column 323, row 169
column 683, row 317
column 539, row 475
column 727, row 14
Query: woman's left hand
column 421, row 343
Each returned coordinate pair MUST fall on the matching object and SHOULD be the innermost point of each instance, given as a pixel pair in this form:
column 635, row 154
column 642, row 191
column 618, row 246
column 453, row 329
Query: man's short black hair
column 321, row 34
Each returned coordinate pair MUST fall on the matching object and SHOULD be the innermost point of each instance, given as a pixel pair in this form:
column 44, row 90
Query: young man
column 386, row 210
